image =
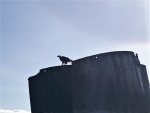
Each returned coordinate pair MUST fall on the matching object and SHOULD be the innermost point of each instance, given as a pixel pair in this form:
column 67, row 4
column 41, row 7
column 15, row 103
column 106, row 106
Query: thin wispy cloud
column 13, row 111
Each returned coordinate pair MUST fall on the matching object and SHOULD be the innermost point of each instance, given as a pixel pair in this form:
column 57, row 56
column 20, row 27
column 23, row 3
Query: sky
column 34, row 32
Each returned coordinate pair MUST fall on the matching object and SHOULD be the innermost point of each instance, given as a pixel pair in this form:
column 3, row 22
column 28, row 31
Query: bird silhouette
column 64, row 59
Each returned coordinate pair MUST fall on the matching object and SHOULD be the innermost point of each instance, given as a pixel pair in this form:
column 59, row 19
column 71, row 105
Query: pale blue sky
column 33, row 33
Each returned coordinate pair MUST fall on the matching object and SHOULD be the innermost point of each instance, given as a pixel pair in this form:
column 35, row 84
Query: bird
column 64, row 59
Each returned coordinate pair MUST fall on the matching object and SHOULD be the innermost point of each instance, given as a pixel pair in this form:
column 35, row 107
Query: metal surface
column 113, row 82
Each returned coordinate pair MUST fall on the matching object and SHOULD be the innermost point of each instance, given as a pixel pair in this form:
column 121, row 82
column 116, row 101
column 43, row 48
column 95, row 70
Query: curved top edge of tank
column 106, row 53
column 54, row 67
column 49, row 68
column 100, row 54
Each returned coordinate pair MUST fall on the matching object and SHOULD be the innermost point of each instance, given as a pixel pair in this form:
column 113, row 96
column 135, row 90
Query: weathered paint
column 113, row 82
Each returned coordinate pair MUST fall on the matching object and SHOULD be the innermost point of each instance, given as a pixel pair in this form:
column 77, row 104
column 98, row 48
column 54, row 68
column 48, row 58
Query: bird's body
column 64, row 59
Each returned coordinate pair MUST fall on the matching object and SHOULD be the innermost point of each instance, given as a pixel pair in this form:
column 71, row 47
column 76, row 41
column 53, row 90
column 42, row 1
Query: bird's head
column 59, row 56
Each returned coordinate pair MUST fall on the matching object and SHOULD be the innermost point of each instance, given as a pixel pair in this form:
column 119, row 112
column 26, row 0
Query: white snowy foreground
column 13, row 111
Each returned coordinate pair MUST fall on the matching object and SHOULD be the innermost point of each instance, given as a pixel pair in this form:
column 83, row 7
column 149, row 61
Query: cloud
column 13, row 111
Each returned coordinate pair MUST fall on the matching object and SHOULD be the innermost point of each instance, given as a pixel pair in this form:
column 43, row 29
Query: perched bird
column 64, row 59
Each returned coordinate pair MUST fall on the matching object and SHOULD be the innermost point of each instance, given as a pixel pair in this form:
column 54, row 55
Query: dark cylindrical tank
column 113, row 82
